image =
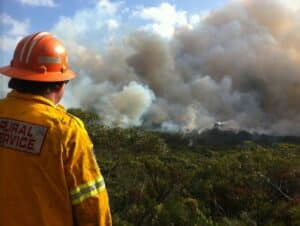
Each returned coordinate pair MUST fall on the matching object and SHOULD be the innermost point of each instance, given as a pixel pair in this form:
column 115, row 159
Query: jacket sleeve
column 86, row 185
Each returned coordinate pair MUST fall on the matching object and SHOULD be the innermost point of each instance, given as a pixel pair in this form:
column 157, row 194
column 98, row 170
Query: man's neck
column 53, row 96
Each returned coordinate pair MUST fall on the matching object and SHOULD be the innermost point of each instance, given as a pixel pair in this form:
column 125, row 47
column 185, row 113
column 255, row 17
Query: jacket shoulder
column 75, row 120
column 69, row 120
column 74, row 126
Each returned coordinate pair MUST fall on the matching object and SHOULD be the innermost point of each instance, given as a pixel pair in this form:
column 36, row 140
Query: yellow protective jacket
column 48, row 173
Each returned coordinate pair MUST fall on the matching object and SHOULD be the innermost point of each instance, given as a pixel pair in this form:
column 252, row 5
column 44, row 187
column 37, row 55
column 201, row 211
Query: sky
column 21, row 17
column 107, row 18
column 173, row 65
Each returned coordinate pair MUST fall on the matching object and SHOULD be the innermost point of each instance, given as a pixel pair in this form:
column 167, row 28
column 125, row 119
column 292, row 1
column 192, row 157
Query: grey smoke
column 241, row 64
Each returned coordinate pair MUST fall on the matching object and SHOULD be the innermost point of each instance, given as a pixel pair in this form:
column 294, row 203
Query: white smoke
column 126, row 107
column 241, row 64
column 3, row 86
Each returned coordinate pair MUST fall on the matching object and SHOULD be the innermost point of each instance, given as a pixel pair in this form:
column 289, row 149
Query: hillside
column 219, row 137
column 214, row 178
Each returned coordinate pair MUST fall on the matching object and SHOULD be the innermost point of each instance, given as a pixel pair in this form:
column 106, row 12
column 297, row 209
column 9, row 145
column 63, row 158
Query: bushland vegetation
column 214, row 178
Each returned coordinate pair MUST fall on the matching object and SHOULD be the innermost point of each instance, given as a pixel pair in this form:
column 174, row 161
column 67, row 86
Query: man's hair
column 34, row 87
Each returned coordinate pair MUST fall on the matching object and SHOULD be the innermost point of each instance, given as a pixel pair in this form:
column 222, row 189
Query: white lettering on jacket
column 22, row 136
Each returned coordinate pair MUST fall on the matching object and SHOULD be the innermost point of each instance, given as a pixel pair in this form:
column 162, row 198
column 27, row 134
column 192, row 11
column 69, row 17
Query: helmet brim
column 35, row 76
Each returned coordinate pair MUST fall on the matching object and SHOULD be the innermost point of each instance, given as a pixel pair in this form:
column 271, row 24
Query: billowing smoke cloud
column 124, row 107
column 240, row 64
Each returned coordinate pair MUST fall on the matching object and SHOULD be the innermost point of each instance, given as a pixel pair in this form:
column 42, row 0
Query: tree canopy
column 156, row 178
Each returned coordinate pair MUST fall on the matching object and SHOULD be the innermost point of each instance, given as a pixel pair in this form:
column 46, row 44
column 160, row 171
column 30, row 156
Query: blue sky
column 21, row 17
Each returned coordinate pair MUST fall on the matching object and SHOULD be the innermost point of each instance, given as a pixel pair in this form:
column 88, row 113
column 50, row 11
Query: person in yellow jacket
column 48, row 173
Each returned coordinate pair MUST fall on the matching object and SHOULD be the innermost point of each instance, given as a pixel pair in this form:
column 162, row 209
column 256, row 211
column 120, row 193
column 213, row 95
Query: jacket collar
column 33, row 98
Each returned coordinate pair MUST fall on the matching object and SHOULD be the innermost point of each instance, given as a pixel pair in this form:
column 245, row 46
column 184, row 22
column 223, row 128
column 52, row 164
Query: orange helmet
column 39, row 57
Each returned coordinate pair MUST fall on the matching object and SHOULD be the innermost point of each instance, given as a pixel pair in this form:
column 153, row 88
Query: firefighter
column 48, row 173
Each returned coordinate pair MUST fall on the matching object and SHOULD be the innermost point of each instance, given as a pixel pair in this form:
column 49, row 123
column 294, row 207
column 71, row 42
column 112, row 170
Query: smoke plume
column 240, row 64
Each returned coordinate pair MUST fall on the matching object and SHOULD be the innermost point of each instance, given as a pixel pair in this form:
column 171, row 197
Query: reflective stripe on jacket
column 48, row 173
